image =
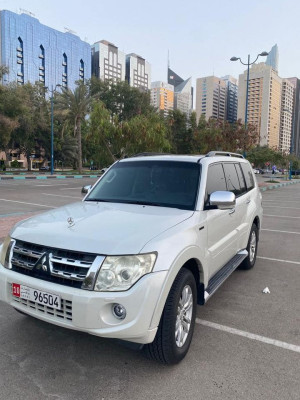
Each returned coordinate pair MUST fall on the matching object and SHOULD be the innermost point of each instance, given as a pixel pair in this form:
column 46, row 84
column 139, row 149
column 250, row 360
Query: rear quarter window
column 248, row 174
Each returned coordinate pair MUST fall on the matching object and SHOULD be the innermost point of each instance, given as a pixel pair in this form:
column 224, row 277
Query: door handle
column 231, row 211
column 248, row 201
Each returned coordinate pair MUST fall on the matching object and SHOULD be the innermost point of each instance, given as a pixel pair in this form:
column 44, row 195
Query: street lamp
column 263, row 54
column 52, row 134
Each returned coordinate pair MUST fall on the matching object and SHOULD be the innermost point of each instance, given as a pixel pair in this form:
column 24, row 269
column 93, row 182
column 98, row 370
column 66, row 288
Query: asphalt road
column 246, row 344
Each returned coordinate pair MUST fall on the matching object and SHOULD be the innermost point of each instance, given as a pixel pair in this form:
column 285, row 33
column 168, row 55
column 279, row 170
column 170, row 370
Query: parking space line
column 248, row 335
column 57, row 184
column 275, row 230
column 31, row 204
column 72, row 188
column 277, row 259
column 279, row 216
column 290, row 208
column 61, row 195
column 285, row 201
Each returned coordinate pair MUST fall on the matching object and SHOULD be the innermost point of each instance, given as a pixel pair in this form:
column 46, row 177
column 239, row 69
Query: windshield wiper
column 98, row 200
column 143, row 203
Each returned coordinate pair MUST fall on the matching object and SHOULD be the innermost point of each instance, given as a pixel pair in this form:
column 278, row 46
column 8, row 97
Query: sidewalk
column 22, row 177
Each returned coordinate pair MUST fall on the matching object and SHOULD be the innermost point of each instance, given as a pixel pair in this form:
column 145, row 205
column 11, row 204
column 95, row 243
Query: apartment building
column 286, row 117
column 295, row 141
column 231, row 97
column 211, row 97
column 264, row 102
column 108, row 62
column 138, row 72
column 162, row 96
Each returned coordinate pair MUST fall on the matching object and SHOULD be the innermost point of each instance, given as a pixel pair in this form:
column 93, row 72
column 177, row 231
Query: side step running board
column 220, row 277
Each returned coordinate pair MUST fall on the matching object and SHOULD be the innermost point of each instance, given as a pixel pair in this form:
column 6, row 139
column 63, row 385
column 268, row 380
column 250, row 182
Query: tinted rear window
column 248, row 174
column 232, row 180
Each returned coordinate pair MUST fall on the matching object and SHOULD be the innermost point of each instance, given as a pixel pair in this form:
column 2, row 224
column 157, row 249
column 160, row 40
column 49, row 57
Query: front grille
column 65, row 312
column 64, row 267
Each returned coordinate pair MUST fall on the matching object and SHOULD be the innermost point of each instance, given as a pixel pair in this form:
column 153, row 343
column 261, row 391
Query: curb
column 17, row 177
column 278, row 185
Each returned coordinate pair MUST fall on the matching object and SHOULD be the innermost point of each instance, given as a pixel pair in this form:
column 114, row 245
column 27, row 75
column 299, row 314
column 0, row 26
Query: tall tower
column 183, row 92
column 264, row 102
column 273, row 58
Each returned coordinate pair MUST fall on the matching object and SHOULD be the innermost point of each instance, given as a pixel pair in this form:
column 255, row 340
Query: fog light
column 119, row 311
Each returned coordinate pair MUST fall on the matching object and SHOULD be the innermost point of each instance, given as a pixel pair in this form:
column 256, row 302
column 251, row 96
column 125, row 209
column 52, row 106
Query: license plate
column 44, row 298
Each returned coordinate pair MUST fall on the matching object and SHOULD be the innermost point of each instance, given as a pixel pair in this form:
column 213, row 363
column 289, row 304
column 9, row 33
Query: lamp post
column 263, row 54
column 52, row 133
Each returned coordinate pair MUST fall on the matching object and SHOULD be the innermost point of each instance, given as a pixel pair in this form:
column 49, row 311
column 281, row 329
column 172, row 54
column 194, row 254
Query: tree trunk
column 78, row 133
column 28, row 162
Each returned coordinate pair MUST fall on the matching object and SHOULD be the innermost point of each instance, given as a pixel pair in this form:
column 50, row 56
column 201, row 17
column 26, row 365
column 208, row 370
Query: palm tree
column 75, row 106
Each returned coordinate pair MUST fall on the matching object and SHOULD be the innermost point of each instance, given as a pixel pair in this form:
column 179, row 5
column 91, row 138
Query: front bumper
column 91, row 312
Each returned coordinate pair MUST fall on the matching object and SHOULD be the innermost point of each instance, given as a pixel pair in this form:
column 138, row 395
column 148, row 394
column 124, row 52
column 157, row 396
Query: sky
column 200, row 36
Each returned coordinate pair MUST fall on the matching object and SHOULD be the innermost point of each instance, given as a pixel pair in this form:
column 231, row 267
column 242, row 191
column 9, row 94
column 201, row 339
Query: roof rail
column 224, row 153
column 145, row 154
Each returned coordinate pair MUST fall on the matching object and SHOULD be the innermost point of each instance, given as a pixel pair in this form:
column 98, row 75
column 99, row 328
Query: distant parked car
column 45, row 168
column 256, row 170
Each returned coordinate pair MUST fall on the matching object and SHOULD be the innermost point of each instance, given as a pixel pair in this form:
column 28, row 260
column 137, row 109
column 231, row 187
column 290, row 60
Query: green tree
column 75, row 106
column 120, row 99
column 34, row 121
column 180, row 134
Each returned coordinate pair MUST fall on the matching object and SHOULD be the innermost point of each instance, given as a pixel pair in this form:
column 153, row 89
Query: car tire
column 176, row 327
column 249, row 261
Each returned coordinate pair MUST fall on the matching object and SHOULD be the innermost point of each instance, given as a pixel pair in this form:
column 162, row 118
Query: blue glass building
column 33, row 52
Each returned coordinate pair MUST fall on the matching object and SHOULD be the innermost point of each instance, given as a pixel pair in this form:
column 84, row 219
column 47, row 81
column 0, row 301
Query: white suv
column 154, row 237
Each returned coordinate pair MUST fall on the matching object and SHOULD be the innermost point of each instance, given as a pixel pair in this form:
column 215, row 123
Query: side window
column 241, row 178
column 248, row 175
column 232, row 180
column 215, row 179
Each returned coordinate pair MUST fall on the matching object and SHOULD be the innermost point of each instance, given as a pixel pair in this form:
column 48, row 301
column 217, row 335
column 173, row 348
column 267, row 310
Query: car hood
column 102, row 228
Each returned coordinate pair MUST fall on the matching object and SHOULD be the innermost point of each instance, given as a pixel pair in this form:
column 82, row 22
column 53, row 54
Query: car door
column 236, row 184
column 221, row 224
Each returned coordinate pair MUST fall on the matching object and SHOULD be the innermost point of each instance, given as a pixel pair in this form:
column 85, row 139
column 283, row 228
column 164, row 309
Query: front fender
column 187, row 254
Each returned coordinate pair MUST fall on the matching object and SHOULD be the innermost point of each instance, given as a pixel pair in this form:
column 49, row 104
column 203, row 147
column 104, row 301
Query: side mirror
column 223, row 200
column 86, row 189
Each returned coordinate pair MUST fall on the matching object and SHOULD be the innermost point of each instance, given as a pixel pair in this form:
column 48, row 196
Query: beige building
column 264, row 102
column 162, row 96
column 286, row 118
column 211, row 97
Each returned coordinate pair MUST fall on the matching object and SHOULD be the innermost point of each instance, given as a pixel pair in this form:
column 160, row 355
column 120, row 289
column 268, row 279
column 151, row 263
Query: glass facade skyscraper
column 34, row 52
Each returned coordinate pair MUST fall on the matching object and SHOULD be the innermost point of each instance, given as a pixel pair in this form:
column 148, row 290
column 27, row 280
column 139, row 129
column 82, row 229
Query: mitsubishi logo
column 43, row 264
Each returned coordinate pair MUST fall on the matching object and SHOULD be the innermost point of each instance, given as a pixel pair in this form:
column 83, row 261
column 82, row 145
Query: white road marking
column 285, row 201
column 277, row 259
column 31, row 204
column 278, row 216
column 249, row 335
column 275, row 230
column 60, row 195
column 290, row 208
column 57, row 184
column 72, row 188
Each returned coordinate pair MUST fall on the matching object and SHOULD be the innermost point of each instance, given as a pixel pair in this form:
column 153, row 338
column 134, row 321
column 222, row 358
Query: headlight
column 119, row 273
column 5, row 255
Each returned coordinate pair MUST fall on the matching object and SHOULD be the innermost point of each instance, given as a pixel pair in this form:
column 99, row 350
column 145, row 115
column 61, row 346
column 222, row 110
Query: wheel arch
column 256, row 222
column 195, row 266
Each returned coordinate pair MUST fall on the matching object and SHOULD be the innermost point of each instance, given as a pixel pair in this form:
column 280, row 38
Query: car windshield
column 157, row 183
